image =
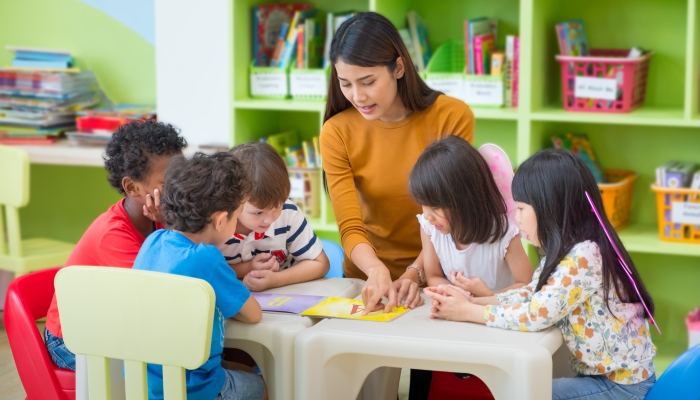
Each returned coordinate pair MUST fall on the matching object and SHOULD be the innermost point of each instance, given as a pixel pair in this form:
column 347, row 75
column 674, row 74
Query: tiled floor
column 10, row 385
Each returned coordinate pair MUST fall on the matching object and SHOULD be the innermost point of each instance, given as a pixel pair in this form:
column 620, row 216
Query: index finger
column 373, row 304
column 391, row 295
column 156, row 197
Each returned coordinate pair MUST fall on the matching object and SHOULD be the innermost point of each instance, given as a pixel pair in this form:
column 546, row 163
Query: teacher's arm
column 343, row 193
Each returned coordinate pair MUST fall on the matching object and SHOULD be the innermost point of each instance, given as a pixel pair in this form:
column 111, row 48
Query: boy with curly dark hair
column 135, row 160
column 202, row 199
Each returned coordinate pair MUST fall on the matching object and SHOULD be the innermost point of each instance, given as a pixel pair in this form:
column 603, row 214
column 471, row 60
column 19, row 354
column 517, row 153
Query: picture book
column 267, row 23
column 582, row 147
column 497, row 63
column 286, row 303
column 572, row 38
column 476, row 27
column 419, row 39
column 484, row 46
column 335, row 307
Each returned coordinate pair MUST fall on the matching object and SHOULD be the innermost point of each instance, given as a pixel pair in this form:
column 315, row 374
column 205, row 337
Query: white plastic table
column 334, row 357
column 271, row 341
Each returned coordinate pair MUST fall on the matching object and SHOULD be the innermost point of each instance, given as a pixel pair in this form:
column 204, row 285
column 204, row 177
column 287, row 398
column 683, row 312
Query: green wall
column 64, row 200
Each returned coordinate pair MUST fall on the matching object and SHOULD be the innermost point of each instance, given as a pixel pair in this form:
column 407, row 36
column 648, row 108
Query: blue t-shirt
column 172, row 252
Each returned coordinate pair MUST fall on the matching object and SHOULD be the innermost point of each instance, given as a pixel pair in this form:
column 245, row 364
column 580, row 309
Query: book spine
column 497, row 63
column 280, row 45
column 479, row 56
column 466, row 47
column 561, row 38
column 289, row 49
column 301, row 49
column 516, row 70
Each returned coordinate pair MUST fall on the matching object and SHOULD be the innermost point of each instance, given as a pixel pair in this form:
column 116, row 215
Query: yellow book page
column 335, row 307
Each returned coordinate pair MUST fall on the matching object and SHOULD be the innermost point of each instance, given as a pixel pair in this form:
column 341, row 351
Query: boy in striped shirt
column 272, row 234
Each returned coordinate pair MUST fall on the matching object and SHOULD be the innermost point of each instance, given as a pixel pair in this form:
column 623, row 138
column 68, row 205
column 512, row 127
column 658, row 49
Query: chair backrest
column 335, row 255
column 681, row 380
column 139, row 317
column 14, row 193
column 28, row 299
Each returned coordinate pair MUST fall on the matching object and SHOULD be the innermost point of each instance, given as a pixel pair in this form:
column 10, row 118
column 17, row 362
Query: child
column 272, row 234
column 135, row 161
column 202, row 197
column 580, row 285
column 465, row 229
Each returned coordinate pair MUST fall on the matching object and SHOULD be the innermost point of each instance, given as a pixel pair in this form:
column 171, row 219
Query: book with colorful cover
column 419, row 39
column 475, row 27
column 335, row 307
column 301, row 47
column 580, row 145
column 484, row 46
column 290, row 45
column 572, row 38
column 286, row 303
column 267, row 23
column 280, row 45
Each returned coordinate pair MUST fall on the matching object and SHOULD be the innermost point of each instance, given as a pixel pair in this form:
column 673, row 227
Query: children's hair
column 133, row 147
column 195, row 189
column 369, row 39
column 553, row 183
column 267, row 173
column 453, row 176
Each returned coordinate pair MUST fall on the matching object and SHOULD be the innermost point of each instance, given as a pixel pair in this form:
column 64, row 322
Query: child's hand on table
column 265, row 262
column 475, row 286
column 454, row 304
column 259, row 280
column 152, row 210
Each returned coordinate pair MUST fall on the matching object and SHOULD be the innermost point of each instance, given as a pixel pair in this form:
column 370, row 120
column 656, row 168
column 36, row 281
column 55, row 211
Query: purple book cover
column 286, row 303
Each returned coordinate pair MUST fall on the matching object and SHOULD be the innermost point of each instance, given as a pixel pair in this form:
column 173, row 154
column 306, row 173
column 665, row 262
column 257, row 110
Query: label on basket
column 297, row 191
column 685, row 213
column 308, row 84
column 451, row 87
column 268, row 84
column 595, row 88
column 483, row 93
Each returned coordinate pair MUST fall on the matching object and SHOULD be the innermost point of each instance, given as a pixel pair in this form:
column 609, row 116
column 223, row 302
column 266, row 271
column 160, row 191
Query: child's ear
column 129, row 186
column 219, row 219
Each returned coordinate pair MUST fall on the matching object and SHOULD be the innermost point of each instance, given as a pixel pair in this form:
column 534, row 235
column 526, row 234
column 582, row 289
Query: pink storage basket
column 630, row 73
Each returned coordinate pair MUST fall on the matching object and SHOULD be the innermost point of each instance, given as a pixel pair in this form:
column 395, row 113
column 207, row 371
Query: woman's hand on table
column 408, row 292
column 377, row 286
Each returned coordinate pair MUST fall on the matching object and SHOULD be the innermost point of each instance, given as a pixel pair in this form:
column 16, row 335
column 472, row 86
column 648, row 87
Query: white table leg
column 81, row 380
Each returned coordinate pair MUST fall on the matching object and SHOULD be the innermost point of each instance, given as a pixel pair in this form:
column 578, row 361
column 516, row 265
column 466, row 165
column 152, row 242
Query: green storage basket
column 269, row 82
column 445, row 72
column 309, row 84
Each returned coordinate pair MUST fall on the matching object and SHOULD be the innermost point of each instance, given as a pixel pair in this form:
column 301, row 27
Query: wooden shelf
column 645, row 239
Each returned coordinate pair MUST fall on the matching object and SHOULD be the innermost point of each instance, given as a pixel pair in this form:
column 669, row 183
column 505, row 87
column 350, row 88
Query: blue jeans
column 61, row 356
column 598, row 387
column 242, row 385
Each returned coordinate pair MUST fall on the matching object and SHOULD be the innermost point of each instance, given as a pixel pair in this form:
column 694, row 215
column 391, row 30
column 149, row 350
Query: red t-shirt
column 110, row 241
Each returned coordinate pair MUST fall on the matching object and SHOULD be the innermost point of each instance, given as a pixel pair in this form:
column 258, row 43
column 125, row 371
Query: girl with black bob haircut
column 467, row 238
column 580, row 286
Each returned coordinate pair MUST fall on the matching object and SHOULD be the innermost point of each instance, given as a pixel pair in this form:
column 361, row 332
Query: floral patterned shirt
column 616, row 344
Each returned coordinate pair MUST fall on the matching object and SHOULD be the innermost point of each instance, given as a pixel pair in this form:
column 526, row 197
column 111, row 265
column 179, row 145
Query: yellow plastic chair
column 17, row 255
column 139, row 317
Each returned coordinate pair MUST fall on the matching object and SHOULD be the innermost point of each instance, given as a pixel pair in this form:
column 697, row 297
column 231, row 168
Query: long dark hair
column 453, row 176
column 369, row 39
column 554, row 183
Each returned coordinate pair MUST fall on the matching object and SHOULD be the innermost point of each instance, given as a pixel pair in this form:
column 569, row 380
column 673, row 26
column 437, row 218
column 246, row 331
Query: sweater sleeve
column 341, row 186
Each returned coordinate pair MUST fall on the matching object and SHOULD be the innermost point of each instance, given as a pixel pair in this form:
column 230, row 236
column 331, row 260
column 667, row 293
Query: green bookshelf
column 665, row 127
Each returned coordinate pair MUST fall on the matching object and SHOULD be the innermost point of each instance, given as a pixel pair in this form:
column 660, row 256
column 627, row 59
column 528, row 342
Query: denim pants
column 61, row 356
column 598, row 387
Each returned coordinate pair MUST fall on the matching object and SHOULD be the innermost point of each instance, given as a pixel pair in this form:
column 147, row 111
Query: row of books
column 96, row 126
column 296, row 153
column 678, row 174
column 38, row 104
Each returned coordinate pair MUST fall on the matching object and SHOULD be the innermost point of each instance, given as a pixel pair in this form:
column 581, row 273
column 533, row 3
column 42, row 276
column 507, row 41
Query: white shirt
column 289, row 238
column 486, row 261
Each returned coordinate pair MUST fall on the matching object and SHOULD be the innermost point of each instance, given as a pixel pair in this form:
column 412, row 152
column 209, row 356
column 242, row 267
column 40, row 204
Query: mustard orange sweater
column 367, row 164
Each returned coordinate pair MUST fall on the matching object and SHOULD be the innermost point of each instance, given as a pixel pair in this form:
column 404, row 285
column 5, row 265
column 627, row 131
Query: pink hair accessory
column 502, row 172
column 622, row 261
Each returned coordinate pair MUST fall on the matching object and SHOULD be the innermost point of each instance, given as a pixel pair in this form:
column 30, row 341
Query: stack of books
column 678, row 174
column 95, row 127
column 37, row 105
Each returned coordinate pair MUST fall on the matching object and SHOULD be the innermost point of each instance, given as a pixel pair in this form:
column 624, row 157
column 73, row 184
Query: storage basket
column 306, row 191
column 269, row 82
column 607, row 81
column 445, row 72
column 617, row 196
column 693, row 323
column 309, row 84
column 678, row 214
